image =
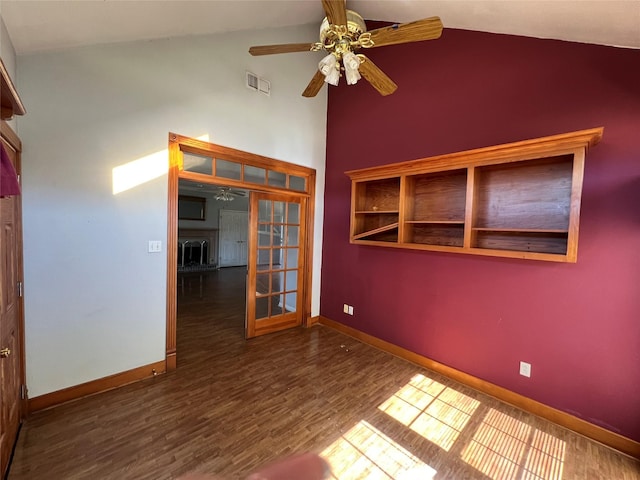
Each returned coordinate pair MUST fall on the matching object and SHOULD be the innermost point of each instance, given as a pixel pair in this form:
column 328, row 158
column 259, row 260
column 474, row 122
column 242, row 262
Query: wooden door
column 275, row 279
column 11, row 366
column 233, row 238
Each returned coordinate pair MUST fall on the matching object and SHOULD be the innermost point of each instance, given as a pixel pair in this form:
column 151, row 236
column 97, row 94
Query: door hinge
column 23, row 392
column 20, row 289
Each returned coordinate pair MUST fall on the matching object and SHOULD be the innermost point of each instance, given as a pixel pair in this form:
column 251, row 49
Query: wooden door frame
column 178, row 144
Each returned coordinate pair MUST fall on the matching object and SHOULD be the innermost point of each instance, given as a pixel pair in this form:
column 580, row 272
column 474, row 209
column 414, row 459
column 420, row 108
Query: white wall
column 95, row 299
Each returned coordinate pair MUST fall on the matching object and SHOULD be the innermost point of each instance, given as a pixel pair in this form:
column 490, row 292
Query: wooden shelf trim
column 368, row 233
column 519, row 230
column 392, row 212
column 511, row 152
column 435, row 222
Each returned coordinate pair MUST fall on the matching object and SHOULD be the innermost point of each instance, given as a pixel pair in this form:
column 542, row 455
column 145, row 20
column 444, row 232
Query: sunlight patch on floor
column 365, row 452
column 434, row 411
column 503, row 446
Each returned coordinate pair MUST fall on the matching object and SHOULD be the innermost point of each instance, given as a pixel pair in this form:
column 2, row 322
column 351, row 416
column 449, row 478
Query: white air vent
column 264, row 86
column 258, row 84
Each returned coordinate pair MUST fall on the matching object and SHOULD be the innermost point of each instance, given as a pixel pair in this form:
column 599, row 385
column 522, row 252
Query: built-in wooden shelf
column 517, row 200
column 10, row 103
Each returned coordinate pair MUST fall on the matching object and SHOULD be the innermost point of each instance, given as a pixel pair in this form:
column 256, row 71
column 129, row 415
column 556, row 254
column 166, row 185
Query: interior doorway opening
column 212, row 266
column 211, row 236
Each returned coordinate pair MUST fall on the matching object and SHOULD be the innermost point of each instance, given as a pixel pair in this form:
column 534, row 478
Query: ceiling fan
column 227, row 194
column 342, row 34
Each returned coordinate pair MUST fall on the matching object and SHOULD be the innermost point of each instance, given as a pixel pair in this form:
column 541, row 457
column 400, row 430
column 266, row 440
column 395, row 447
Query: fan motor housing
column 330, row 35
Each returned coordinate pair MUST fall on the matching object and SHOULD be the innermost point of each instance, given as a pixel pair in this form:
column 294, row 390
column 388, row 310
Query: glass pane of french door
column 275, row 275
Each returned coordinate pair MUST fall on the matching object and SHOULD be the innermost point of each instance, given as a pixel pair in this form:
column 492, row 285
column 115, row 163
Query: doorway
column 232, row 234
column 215, row 165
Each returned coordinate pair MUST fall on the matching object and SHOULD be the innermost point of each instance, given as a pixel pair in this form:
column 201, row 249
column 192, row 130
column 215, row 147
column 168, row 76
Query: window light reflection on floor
column 434, row 411
column 365, row 452
column 504, row 448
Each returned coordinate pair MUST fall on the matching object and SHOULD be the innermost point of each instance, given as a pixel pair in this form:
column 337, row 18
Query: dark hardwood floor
column 233, row 405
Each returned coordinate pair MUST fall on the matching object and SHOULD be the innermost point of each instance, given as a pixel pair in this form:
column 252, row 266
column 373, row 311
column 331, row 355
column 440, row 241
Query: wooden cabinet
column 517, row 200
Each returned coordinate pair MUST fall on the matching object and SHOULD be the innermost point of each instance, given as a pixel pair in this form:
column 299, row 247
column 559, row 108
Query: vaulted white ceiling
column 40, row 25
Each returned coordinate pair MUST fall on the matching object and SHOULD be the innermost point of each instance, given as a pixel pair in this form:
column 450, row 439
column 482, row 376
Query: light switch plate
column 155, row 246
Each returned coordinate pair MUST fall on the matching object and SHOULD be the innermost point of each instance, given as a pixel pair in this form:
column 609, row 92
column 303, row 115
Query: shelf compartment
column 438, row 196
column 449, row 234
column 526, row 196
column 377, row 195
column 387, row 231
column 375, row 224
column 527, row 240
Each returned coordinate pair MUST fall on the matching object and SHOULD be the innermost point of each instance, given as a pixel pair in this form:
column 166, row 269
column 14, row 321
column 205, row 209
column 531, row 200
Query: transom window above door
column 225, row 167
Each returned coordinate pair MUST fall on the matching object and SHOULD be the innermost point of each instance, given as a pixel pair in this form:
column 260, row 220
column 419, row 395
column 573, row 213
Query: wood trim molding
column 172, row 251
column 99, row 385
column 10, row 136
column 310, row 220
column 10, row 100
column 594, row 432
column 511, row 152
column 311, row 321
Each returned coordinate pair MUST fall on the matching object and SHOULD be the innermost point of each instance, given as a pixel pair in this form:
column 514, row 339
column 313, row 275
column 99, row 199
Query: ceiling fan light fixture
column 342, row 34
column 330, row 68
column 351, row 64
column 224, row 196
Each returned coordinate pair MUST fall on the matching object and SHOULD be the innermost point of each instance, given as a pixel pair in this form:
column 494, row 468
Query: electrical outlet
column 525, row 369
column 345, row 308
column 350, row 312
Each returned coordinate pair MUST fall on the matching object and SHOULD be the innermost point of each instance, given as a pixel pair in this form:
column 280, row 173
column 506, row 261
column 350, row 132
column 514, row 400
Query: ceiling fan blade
column 377, row 78
column 315, row 85
column 284, row 48
column 426, row 29
column 336, row 11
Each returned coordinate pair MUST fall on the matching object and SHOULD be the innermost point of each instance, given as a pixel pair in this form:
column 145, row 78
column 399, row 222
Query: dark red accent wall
column 577, row 324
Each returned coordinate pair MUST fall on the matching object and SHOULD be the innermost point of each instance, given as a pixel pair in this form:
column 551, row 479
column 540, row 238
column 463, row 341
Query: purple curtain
column 8, row 179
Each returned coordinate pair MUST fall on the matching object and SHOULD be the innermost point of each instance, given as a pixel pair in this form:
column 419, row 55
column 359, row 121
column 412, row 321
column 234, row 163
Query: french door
column 276, row 267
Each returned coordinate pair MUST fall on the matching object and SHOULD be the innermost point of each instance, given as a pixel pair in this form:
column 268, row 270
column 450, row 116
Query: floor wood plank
column 233, row 405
